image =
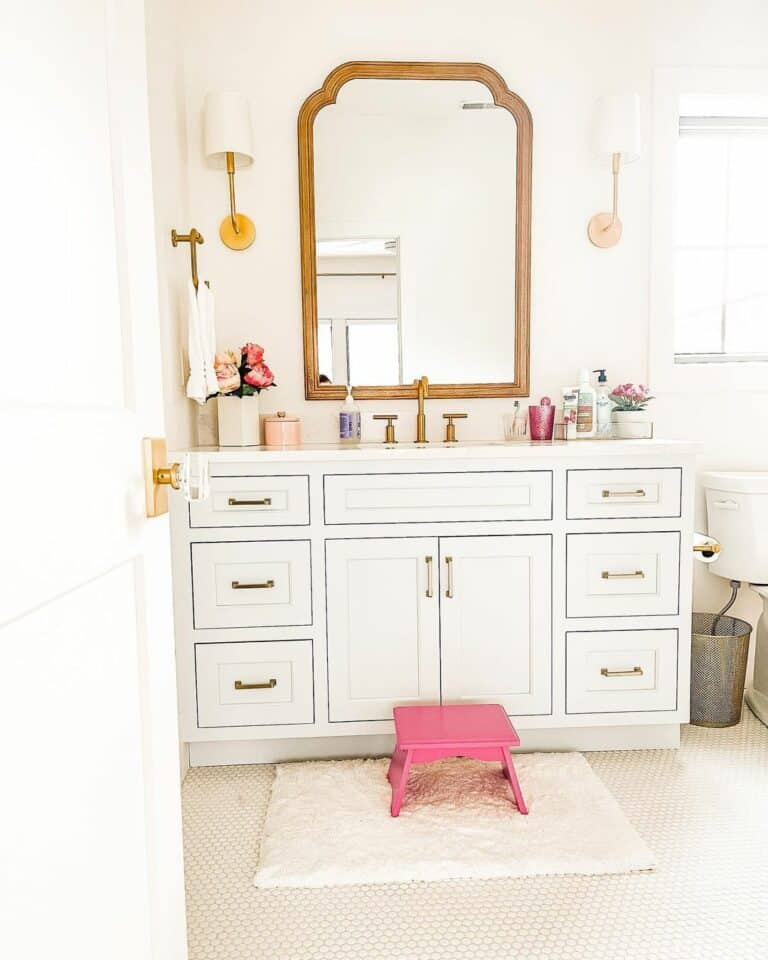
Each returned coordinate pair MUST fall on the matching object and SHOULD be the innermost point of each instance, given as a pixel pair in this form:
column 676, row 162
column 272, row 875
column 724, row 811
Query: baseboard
column 586, row 739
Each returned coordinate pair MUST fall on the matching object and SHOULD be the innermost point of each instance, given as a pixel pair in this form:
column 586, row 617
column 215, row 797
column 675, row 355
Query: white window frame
column 670, row 83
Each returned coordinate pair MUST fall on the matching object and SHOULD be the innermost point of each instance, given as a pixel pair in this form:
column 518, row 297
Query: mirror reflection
column 415, row 210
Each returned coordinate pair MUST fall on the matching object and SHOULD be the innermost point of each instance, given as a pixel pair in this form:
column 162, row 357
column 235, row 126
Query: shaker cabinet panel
column 496, row 621
column 383, row 626
column 623, row 574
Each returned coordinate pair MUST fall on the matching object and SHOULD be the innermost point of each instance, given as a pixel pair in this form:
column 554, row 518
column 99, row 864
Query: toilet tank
column 737, row 516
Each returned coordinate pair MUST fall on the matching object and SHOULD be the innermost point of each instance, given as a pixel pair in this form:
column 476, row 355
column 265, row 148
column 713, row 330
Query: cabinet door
column 496, row 613
column 383, row 632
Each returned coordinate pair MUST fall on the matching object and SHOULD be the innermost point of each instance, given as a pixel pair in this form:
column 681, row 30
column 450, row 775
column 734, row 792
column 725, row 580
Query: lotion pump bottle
column 602, row 405
column 585, row 415
column 349, row 419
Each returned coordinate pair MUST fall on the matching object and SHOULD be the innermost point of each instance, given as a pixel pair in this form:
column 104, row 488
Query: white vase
column 239, row 424
column 630, row 424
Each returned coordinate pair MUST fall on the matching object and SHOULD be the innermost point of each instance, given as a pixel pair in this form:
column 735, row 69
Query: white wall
column 589, row 307
column 167, row 114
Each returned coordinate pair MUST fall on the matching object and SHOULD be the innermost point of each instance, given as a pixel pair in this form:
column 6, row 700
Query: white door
column 383, row 626
column 90, row 839
column 496, row 621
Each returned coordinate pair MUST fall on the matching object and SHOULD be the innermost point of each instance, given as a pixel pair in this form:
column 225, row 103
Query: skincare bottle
column 585, row 417
column 602, row 405
column 570, row 410
column 349, row 420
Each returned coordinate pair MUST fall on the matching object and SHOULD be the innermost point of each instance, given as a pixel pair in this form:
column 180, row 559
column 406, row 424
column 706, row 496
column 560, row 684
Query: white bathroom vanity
column 319, row 587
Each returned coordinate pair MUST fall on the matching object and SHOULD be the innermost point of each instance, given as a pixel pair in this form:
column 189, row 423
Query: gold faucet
column 421, row 420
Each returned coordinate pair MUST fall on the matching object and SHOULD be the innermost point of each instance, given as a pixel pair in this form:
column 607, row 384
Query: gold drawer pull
column 234, row 502
column 634, row 672
column 637, row 575
column 623, row 493
column 266, row 585
column 449, row 568
column 239, row 685
column 430, row 592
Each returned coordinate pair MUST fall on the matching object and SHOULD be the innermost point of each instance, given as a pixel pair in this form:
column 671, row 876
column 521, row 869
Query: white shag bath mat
column 328, row 823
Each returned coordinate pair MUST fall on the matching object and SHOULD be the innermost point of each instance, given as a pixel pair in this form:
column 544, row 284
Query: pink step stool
column 478, row 730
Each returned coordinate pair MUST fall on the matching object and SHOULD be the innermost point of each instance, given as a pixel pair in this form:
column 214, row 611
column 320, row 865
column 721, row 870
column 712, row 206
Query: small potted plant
column 240, row 379
column 629, row 417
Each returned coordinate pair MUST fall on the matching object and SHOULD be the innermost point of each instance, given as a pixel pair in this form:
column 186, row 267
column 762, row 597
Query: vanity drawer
column 252, row 584
column 438, row 497
column 253, row 502
column 619, row 671
column 253, row 684
column 618, row 494
column 622, row 574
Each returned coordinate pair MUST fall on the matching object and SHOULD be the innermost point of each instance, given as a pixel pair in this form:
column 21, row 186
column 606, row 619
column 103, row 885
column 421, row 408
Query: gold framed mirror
column 415, row 229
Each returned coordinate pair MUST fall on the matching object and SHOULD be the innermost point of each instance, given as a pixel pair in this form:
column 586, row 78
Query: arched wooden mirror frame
column 503, row 97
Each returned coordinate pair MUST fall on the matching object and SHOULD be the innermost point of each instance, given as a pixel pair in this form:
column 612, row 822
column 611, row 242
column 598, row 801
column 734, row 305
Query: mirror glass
column 414, row 223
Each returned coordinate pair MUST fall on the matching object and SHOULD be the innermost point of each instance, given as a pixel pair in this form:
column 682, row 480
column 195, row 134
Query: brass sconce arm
column 232, row 206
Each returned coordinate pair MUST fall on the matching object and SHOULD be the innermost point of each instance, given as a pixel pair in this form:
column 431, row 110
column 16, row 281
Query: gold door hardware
column 239, row 685
column 430, row 593
column 634, row 672
column 158, row 476
column 389, row 433
column 449, row 568
column 707, row 548
column 192, row 238
column 637, row 575
column 623, row 493
column 422, row 385
column 265, row 585
column 450, row 427
column 234, row 502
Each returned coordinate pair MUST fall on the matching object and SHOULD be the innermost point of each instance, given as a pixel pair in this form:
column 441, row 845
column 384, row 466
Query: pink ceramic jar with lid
column 281, row 430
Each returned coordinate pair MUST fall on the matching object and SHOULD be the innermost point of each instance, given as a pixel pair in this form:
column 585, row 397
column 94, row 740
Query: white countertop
column 496, row 450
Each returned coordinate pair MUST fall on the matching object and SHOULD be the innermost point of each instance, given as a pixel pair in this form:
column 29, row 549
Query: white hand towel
column 201, row 344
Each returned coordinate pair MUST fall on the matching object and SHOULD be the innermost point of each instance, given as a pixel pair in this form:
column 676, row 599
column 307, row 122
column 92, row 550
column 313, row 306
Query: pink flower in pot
column 253, row 355
column 259, row 376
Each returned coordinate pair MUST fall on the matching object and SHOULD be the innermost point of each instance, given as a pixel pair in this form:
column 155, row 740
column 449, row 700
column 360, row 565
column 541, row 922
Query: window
column 721, row 230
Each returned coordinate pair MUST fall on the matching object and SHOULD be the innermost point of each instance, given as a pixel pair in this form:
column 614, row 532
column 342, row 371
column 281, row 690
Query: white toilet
column 737, row 516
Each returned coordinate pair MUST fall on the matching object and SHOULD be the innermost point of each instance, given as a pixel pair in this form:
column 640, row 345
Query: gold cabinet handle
column 634, row 672
column 430, row 592
column 637, row 575
column 449, row 567
column 266, row 585
column 234, row 502
column 239, row 685
column 623, row 493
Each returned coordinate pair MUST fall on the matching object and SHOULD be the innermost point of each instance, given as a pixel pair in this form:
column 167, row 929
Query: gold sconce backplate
column 604, row 230
column 241, row 238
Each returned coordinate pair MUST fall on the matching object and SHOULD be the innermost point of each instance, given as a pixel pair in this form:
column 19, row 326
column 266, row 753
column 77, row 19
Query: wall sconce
column 227, row 142
column 618, row 137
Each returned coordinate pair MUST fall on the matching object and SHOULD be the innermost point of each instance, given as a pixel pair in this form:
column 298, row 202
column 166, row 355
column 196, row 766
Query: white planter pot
column 630, row 424
column 239, row 424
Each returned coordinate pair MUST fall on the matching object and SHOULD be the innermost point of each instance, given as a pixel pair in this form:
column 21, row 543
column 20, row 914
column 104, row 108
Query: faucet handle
column 389, row 433
column 450, row 427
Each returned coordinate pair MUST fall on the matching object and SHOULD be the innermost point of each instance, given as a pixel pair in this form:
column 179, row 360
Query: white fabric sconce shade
column 617, row 136
column 228, row 143
column 618, row 126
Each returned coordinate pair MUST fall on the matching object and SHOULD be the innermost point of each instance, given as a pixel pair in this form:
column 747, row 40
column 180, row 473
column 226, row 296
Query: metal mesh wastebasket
column 719, row 648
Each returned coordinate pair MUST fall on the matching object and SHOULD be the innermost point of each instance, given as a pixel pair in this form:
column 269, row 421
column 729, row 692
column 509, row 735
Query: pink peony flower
column 254, row 354
column 259, row 376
